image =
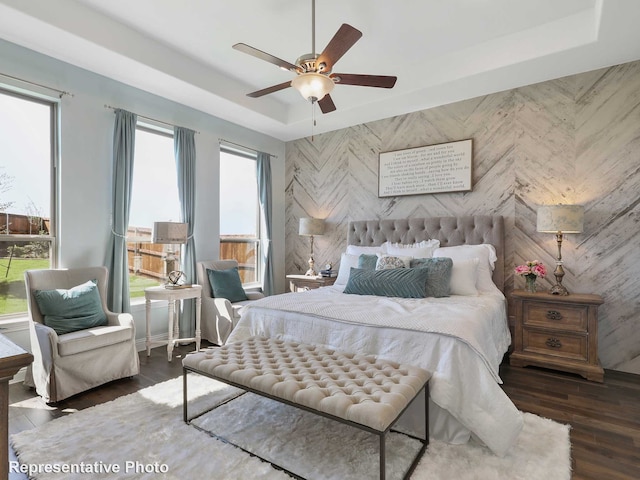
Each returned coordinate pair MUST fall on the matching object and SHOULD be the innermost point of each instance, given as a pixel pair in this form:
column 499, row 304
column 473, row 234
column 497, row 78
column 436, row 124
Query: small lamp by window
column 171, row 233
column 310, row 227
column 560, row 219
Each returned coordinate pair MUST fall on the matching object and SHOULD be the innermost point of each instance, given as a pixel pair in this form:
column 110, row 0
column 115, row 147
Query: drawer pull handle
column 553, row 343
column 554, row 315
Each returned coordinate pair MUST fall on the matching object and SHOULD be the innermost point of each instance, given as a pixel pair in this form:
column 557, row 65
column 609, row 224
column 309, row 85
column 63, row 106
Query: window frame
column 54, row 183
column 260, row 228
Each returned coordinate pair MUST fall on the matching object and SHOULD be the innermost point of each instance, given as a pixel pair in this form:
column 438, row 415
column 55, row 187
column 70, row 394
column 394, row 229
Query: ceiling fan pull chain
column 313, row 120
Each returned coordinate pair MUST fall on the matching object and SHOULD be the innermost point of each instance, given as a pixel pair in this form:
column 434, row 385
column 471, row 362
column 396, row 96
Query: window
column 240, row 213
column 154, row 198
column 27, row 192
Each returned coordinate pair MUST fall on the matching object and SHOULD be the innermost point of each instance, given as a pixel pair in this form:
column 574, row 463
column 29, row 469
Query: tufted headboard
column 449, row 230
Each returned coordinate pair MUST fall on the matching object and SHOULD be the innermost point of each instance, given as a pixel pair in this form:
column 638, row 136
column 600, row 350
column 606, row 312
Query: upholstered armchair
column 69, row 356
column 219, row 316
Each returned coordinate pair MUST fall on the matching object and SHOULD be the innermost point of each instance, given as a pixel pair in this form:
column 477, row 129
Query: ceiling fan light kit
column 314, row 79
column 313, row 86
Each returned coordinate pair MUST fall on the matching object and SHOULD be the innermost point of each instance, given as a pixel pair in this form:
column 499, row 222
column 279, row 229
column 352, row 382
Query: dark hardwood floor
column 604, row 418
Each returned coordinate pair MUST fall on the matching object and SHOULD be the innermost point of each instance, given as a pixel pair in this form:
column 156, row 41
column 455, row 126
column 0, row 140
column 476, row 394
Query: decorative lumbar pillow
column 227, row 284
column 77, row 308
column 439, row 276
column 423, row 249
column 367, row 262
column 395, row 282
column 386, row 262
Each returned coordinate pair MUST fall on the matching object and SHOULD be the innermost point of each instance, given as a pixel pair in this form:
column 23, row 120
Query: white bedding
column 462, row 344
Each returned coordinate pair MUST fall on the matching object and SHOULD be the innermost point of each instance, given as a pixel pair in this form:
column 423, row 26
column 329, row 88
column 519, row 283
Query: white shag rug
column 142, row 436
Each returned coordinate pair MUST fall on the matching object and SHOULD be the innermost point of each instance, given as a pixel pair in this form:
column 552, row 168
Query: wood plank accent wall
column 571, row 140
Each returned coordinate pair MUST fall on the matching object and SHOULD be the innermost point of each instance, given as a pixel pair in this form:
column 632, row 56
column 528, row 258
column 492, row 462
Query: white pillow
column 346, row 262
column 358, row 249
column 423, row 249
column 486, row 254
column 464, row 276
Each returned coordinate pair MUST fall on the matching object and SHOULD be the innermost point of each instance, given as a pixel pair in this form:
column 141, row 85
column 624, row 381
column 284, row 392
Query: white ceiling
column 441, row 50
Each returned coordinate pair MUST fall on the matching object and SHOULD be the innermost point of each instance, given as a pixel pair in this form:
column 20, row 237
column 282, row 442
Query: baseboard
column 141, row 343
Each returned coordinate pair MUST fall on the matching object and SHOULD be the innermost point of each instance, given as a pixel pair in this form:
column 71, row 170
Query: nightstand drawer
column 561, row 317
column 555, row 343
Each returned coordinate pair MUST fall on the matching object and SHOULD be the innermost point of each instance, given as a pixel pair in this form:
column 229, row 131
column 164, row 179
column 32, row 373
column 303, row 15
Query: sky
column 25, row 156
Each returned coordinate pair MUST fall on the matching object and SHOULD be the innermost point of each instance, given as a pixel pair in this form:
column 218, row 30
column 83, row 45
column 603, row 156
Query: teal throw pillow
column 394, row 282
column 438, row 277
column 70, row 310
column 366, row 261
column 227, row 284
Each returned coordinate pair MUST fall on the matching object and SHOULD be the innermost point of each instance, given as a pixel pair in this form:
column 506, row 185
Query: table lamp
column 560, row 219
column 171, row 233
column 310, row 227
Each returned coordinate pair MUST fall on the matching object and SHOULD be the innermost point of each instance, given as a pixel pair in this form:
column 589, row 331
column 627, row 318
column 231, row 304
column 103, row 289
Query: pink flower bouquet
column 534, row 268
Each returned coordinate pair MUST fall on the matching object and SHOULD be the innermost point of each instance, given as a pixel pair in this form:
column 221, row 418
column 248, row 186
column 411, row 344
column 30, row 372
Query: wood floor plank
column 604, row 417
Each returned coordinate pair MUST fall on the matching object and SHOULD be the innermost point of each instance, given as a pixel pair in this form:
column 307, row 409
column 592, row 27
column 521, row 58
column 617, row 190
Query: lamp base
column 312, row 270
column 559, row 289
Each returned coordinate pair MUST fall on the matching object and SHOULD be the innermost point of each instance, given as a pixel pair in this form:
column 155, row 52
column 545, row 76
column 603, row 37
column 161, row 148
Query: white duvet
column 460, row 339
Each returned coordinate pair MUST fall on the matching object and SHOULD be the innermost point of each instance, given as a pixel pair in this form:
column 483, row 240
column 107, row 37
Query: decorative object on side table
column 557, row 331
column 531, row 271
column 560, row 219
column 310, row 227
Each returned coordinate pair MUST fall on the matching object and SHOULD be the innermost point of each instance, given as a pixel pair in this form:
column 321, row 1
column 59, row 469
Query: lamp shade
column 312, row 86
column 560, row 218
column 311, row 226
column 170, row 232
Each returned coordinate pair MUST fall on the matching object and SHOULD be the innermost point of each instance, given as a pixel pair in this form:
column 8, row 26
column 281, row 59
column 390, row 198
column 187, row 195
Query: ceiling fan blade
column 254, row 52
column 266, row 91
column 343, row 40
column 326, row 104
column 381, row 81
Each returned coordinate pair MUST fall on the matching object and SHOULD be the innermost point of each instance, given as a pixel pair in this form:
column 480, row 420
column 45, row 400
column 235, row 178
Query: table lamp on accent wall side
column 171, row 233
column 310, row 227
column 560, row 219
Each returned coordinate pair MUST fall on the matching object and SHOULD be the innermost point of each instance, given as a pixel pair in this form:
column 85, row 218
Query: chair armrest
column 120, row 319
column 224, row 308
column 252, row 295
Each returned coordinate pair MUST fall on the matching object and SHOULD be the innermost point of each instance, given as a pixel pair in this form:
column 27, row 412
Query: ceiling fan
column 314, row 76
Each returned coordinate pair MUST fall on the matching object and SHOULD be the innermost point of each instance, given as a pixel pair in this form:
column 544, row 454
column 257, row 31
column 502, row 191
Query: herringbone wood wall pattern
column 570, row 140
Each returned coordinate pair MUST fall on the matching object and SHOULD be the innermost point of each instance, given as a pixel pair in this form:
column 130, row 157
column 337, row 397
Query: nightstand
column 300, row 283
column 558, row 332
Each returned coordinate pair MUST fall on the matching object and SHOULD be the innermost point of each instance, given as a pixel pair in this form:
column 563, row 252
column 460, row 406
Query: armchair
column 69, row 363
column 219, row 316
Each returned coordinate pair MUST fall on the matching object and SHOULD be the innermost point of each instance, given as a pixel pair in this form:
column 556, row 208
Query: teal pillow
column 70, row 310
column 227, row 284
column 439, row 276
column 394, row 282
column 367, row 261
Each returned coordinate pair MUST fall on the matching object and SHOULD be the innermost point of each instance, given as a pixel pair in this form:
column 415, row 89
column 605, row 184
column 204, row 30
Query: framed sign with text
column 445, row 167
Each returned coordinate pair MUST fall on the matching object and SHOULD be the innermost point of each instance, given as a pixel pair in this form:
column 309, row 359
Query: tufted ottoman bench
column 362, row 391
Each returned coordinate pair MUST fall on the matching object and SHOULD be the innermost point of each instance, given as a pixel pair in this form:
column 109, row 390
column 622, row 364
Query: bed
column 460, row 338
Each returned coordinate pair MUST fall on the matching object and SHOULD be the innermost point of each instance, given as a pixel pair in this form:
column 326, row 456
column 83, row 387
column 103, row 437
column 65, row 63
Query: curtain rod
column 60, row 92
column 244, row 146
column 147, row 118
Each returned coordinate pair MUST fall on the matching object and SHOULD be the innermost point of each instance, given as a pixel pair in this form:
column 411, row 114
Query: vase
column 530, row 286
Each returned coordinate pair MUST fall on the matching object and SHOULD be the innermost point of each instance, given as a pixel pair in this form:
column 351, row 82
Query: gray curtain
column 124, row 137
column 184, row 147
column 263, row 166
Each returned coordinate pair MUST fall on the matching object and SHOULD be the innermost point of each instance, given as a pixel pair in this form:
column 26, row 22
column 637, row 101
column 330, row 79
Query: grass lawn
column 138, row 284
column 13, row 295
